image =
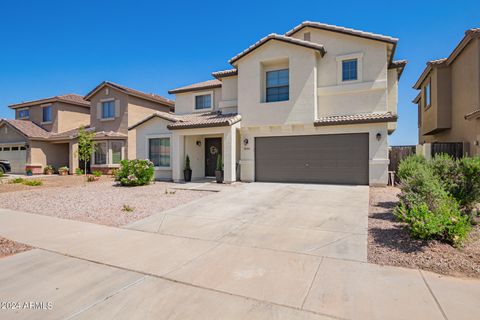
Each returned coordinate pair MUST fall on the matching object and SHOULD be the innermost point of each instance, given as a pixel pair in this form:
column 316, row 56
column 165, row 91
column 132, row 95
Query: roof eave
column 44, row 101
column 394, row 118
column 177, row 91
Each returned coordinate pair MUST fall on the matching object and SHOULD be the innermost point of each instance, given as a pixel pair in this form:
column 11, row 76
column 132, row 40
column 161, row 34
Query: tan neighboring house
column 45, row 132
column 314, row 105
column 449, row 97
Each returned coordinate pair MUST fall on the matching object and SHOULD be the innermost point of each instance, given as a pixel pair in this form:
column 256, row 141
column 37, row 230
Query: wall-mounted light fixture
column 379, row 136
column 199, row 143
column 245, row 141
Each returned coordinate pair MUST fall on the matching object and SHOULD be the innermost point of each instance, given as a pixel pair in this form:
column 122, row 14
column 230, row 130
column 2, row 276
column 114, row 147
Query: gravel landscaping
column 9, row 247
column 101, row 202
column 389, row 243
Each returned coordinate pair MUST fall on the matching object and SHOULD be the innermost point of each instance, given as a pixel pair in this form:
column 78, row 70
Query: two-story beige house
column 314, row 105
column 449, row 97
column 45, row 132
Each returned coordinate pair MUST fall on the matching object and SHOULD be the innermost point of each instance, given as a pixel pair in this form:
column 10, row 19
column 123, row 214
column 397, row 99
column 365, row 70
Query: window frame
column 95, row 154
column 147, row 149
column 352, row 56
column 49, row 107
column 203, row 93
column 277, row 86
column 110, row 151
column 355, row 76
column 427, row 94
column 102, row 103
column 23, row 110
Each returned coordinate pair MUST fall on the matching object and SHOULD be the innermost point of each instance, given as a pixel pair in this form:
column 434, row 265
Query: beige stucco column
column 229, row 154
column 73, row 156
column 178, row 157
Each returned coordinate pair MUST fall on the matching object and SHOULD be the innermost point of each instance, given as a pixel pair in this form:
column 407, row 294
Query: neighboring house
column 45, row 132
column 449, row 97
column 314, row 105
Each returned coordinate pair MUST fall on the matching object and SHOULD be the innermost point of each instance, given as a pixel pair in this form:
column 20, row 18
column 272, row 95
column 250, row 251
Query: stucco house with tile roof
column 45, row 131
column 314, row 105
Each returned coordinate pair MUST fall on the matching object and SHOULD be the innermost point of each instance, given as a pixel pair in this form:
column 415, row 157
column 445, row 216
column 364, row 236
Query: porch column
column 73, row 156
column 229, row 154
column 178, row 157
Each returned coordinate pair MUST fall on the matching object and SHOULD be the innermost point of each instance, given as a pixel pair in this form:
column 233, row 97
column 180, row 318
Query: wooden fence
column 397, row 154
column 454, row 149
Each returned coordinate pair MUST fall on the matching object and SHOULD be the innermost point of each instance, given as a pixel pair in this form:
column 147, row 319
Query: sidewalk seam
column 311, row 284
column 433, row 295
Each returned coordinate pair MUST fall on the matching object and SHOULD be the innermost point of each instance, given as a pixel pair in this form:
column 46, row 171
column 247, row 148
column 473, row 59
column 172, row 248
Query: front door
column 213, row 148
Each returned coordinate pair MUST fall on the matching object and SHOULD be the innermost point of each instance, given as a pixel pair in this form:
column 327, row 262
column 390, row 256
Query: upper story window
column 428, row 96
column 47, row 114
column 108, row 109
column 350, row 70
column 277, row 85
column 23, row 114
column 203, row 101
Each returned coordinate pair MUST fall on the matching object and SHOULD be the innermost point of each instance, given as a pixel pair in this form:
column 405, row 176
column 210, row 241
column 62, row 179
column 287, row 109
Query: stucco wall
column 300, row 108
column 155, row 126
column 139, row 109
column 71, row 117
column 45, row 153
column 120, row 122
column 185, row 102
column 10, row 135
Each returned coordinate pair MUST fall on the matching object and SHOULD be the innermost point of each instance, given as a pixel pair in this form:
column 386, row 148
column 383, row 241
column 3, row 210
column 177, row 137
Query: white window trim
column 101, row 111
column 23, row 109
column 110, row 152
column 351, row 56
column 95, row 151
column 156, row 136
column 203, row 93
column 46, row 106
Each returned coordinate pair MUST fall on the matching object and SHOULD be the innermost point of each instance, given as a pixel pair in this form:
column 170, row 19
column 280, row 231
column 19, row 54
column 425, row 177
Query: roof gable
column 70, row 98
column 281, row 38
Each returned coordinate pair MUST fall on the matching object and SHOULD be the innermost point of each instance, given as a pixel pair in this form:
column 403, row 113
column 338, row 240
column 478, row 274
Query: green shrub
column 17, row 180
column 1, row 173
column 467, row 189
column 445, row 168
column 135, row 172
column 97, row 173
column 32, row 183
column 409, row 166
column 91, row 178
column 78, row 172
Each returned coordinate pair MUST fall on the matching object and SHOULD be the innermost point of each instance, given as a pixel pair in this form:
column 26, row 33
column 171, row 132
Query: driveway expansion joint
column 433, row 295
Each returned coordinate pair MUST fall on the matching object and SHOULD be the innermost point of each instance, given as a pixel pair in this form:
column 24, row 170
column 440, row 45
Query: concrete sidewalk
column 259, row 283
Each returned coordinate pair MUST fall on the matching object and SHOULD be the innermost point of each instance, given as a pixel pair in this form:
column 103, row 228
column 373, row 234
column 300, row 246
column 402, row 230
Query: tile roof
column 278, row 37
column 334, row 28
column 210, row 84
column 205, row 120
column 67, row 98
column 427, row 70
column 71, row 134
column 399, row 65
column 225, row 73
column 356, row 118
column 28, row 128
column 163, row 115
column 148, row 96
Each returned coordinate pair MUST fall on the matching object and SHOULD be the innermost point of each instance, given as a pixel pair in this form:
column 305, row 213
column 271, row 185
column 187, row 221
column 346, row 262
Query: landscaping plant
column 97, row 173
column 86, row 146
column 49, row 169
column 438, row 196
column 32, row 183
column 135, row 172
column 78, row 172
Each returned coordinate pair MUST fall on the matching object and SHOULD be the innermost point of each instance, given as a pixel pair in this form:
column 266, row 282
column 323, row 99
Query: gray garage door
column 336, row 158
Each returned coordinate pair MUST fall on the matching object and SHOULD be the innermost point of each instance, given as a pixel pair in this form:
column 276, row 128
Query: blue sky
column 57, row 47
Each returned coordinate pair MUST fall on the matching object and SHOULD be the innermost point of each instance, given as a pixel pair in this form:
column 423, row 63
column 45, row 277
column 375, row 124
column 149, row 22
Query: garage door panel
column 341, row 158
column 16, row 157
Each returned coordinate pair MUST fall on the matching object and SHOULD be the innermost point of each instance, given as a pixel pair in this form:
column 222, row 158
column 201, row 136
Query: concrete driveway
column 318, row 220
column 252, row 251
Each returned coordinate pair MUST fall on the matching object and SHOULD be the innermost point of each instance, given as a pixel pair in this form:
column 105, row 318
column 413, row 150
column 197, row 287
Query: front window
column 349, row 70
column 427, row 95
column 101, row 153
column 203, row 102
column 277, row 85
column 23, row 114
column 108, row 109
column 159, row 151
column 47, row 114
column 116, row 151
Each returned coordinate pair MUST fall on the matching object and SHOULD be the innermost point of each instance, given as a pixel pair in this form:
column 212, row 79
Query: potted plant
column 49, row 170
column 187, row 171
column 63, row 171
column 29, row 172
column 219, row 169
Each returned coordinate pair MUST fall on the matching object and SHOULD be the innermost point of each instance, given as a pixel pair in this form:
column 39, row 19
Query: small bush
column 97, row 173
column 32, row 183
column 135, row 172
column 1, row 173
column 91, row 178
column 409, row 166
column 127, row 208
column 48, row 169
column 17, row 180
column 78, row 172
